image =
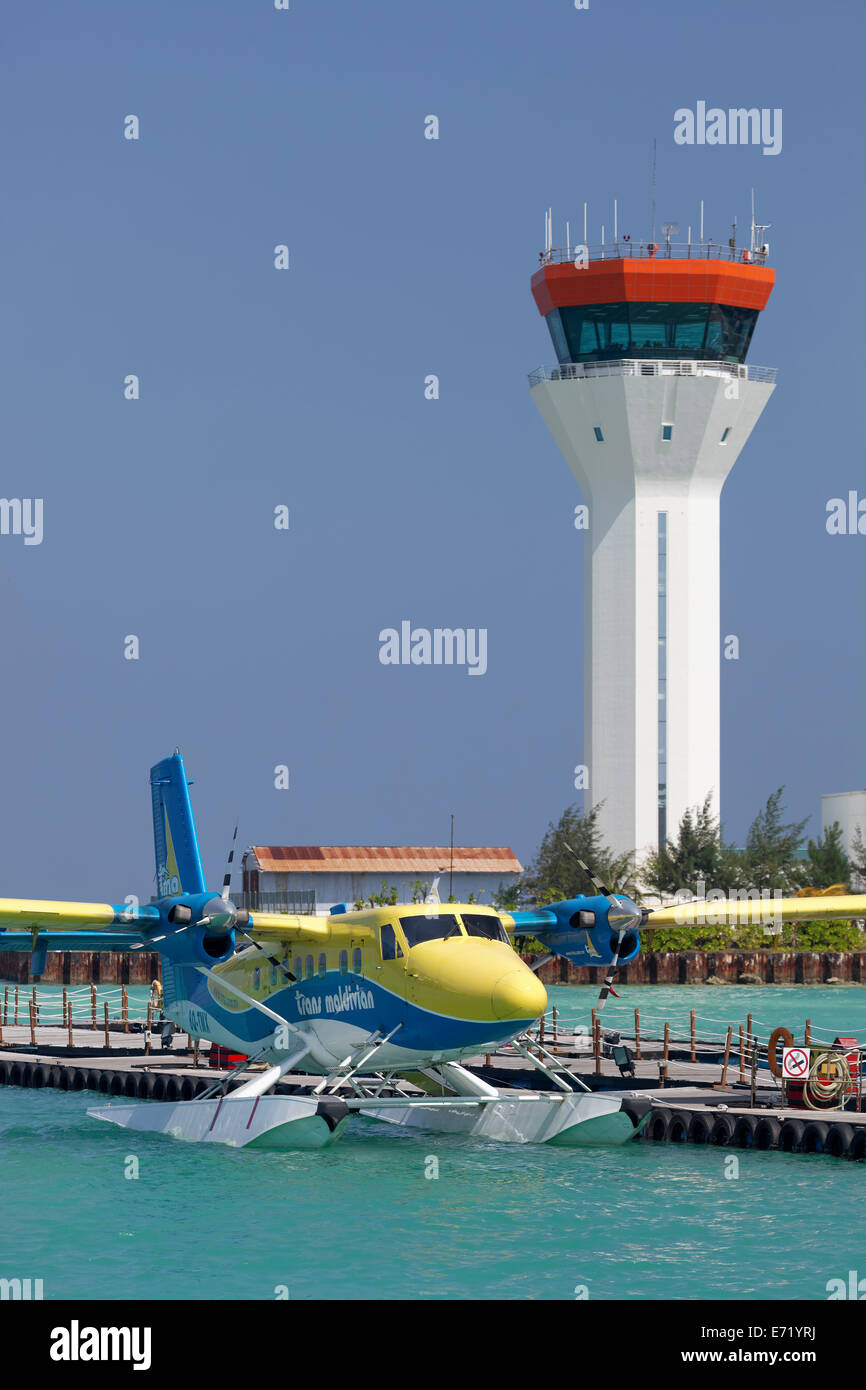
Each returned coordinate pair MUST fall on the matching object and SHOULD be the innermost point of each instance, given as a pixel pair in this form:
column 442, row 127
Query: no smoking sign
column 795, row 1063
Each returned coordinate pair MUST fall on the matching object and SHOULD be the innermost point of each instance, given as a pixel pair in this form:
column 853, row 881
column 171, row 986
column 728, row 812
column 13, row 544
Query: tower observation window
column 602, row 332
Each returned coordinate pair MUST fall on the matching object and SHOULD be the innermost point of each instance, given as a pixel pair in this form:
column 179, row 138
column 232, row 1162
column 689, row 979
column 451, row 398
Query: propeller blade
column 605, row 893
column 596, row 882
column 273, row 960
column 228, row 874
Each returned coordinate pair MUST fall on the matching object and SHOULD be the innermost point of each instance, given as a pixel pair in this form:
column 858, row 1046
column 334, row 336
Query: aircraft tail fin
column 178, row 861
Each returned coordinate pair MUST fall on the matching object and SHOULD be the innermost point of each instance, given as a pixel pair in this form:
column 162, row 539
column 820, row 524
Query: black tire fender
column 744, row 1132
column 857, row 1151
column 791, row 1136
column 814, row 1137
column 657, row 1125
column 700, row 1128
column 767, row 1132
column 678, row 1128
column 722, row 1132
column 839, row 1140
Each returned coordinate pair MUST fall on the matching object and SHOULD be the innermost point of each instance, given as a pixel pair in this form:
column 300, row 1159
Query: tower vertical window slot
column 725, row 434
column 598, row 434
column 667, row 432
column 662, row 674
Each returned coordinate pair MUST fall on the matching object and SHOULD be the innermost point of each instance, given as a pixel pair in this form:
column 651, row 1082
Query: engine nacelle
column 585, row 930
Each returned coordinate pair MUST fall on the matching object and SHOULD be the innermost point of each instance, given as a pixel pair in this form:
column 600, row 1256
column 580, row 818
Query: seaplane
column 384, row 1005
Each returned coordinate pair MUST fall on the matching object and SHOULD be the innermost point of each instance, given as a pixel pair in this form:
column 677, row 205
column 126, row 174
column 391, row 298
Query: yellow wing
column 754, row 911
column 33, row 912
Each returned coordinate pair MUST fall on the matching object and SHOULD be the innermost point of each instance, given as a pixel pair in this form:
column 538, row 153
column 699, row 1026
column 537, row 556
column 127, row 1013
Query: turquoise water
column 832, row 1010
column 361, row 1220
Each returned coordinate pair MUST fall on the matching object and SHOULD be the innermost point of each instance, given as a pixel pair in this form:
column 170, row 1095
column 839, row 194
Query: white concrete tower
column 651, row 404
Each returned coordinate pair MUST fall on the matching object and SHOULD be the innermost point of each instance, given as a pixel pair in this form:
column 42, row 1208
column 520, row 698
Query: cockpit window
column 391, row 948
column 478, row 924
column 433, row 928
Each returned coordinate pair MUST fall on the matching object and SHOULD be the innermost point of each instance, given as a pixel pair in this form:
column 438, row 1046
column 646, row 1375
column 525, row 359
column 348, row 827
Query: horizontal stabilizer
column 72, row 941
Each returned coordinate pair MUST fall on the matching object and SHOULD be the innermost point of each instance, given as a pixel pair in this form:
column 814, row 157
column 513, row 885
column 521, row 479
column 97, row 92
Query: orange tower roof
column 648, row 279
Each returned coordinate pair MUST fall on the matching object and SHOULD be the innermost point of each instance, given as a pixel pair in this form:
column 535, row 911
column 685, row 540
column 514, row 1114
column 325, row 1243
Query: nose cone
column 519, row 995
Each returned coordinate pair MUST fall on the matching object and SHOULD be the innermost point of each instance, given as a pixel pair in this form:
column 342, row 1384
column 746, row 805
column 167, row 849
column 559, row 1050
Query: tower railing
column 650, row 366
column 624, row 249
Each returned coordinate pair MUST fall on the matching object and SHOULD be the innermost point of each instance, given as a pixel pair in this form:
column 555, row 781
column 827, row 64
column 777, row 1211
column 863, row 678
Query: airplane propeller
column 617, row 913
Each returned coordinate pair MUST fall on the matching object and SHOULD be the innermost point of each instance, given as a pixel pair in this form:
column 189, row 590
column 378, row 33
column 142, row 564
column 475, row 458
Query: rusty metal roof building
column 383, row 859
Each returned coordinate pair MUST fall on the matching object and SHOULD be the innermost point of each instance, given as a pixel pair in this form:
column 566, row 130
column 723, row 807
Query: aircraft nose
column 519, row 995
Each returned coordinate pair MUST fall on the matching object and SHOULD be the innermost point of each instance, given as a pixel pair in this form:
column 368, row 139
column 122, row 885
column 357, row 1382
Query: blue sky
column 306, row 388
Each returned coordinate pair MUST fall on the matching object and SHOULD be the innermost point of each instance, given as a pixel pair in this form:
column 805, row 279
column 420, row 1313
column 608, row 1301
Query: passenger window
column 344, row 962
column 299, row 968
column 309, row 971
column 273, row 975
column 257, row 978
column 323, row 964
column 356, row 960
column 391, row 948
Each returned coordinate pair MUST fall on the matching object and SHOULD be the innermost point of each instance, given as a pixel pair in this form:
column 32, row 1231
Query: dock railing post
column 124, row 1008
column 555, row 1017
column 754, row 1072
column 65, row 1002
column 107, row 1034
column 6, row 1004
column 637, row 1035
column 15, row 1019
column 727, row 1054
column 808, row 1034
column 742, row 1053
column 694, row 1058
column 93, row 1005
column 596, row 1042
column 32, row 1023
column 69, row 1023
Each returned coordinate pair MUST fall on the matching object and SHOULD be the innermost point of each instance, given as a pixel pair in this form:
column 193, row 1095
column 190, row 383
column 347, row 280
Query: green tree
column 770, row 859
column 858, row 860
column 828, row 863
column 698, row 854
column 555, row 873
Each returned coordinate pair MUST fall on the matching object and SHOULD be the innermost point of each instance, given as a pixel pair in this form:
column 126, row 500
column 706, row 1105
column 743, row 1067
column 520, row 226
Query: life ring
column 155, row 994
column 778, row 1035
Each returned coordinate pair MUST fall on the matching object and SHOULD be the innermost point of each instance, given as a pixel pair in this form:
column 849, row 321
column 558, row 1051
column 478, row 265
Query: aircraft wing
column 34, row 913
column 277, row 925
column 753, row 911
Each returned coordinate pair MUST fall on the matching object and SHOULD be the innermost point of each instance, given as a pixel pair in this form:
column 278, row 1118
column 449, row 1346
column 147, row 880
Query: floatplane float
column 383, row 1005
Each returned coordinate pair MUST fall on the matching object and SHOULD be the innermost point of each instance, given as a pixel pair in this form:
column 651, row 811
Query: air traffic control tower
column 651, row 403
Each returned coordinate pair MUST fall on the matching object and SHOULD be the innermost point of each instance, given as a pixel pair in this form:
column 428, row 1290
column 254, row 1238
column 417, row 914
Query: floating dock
column 689, row 1104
